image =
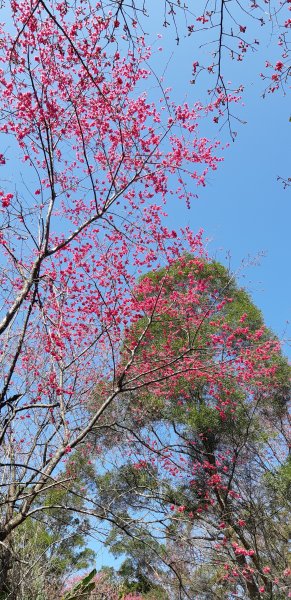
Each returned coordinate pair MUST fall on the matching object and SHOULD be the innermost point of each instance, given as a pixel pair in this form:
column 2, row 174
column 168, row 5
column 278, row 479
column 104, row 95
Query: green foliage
column 136, row 574
column 234, row 448
column 53, row 541
column 83, row 589
column 220, row 284
column 280, row 480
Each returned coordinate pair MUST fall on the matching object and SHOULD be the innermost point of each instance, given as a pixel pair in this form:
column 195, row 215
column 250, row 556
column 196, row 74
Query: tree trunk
column 7, row 585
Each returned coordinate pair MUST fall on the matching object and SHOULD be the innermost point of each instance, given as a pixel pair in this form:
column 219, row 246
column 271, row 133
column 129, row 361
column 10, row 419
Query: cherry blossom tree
column 220, row 34
column 204, row 481
column 87, row 166
column 93, row 162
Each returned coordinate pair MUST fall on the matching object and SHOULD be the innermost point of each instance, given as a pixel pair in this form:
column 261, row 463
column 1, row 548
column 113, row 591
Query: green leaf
column 82, row 589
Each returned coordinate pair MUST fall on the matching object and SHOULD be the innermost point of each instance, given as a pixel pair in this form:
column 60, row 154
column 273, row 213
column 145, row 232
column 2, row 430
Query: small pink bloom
column 266, row 569
column 279, row 65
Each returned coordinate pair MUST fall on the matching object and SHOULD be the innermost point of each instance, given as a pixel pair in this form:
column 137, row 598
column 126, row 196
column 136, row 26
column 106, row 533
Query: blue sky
column 244, row 211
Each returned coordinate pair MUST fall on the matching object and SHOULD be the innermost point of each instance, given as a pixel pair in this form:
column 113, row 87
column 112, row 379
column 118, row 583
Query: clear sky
column 244, row 210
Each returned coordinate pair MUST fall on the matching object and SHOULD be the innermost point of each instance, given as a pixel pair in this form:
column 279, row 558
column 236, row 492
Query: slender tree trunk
column 8, row 575
column 6, row 566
